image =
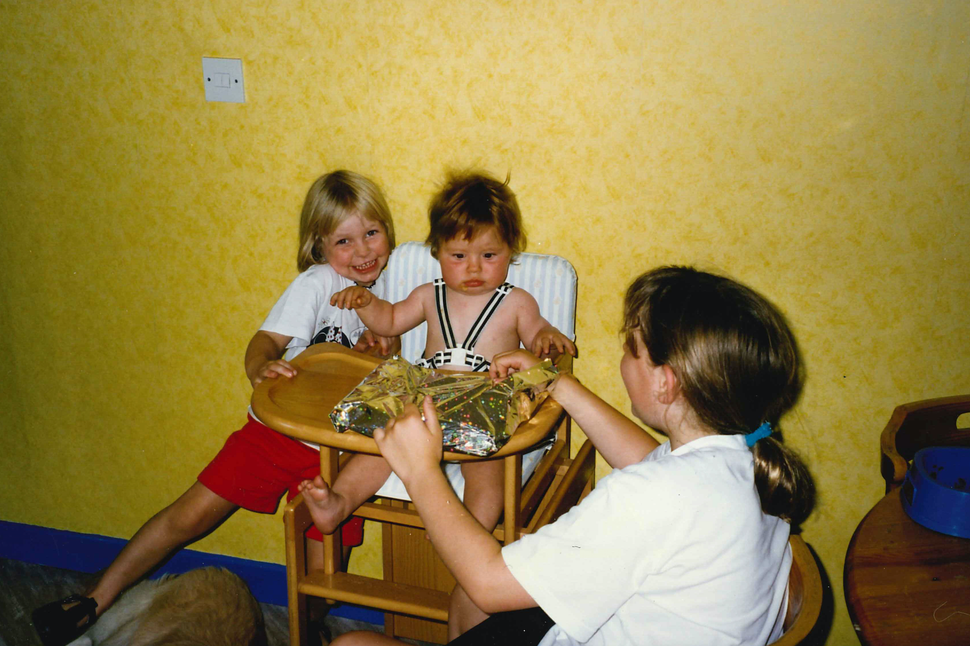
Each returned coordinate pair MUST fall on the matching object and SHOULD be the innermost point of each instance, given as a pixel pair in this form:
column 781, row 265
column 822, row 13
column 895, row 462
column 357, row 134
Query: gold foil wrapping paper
column 477, row 416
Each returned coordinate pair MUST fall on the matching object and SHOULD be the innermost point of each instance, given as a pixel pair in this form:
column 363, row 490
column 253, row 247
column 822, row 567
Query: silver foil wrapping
column 477, row 416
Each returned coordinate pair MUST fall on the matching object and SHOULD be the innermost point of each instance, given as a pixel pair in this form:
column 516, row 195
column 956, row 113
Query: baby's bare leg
column 484, row 498
column 360, row 479
column 195, row 512
column 484, row 490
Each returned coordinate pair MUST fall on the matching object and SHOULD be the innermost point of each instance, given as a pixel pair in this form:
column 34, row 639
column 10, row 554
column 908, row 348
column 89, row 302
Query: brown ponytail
column 784, row 483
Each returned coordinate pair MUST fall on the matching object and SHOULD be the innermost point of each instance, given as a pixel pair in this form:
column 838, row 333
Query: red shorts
column 257, row 465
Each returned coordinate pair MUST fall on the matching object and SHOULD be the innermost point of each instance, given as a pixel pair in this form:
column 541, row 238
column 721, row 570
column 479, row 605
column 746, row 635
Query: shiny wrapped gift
column 477, row 416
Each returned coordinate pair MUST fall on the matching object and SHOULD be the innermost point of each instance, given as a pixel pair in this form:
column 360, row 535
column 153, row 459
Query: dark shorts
column 514, row 628
column 257, row 465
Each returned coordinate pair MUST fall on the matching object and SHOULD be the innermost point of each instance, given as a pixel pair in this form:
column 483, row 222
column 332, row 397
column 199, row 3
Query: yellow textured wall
column 818, row 151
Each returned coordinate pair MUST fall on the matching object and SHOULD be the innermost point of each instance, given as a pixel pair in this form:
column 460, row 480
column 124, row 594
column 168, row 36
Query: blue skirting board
column 91, row 553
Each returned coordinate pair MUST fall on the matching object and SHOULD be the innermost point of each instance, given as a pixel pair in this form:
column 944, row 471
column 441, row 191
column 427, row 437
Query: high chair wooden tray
column 300, row 406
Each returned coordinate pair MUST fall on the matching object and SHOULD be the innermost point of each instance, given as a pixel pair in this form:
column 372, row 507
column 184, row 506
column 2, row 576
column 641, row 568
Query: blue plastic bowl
column 936, row 492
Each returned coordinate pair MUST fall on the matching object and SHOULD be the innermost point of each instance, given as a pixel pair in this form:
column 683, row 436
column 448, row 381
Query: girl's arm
column 619, row 440
column 378, row 346
column 263, row 357
column 474, row 557
column 380, row 316
column 536, row 333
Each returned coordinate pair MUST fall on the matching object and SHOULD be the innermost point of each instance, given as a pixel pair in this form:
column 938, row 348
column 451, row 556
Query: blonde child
column 683, row 543
column 475, row 232
column 346, row 237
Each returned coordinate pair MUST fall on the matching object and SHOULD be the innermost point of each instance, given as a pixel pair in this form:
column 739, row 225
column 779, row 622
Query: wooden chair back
column 917, row 425
column 804, row 595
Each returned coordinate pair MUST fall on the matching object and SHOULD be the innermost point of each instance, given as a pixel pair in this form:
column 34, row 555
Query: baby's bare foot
column 326, row 507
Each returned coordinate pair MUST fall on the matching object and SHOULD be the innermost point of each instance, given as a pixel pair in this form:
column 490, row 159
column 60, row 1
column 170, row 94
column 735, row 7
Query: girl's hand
column 377, row 345
column 352, row 298
column 508, row 362
column 550, row 338
column 273, row 369
column 411, row 446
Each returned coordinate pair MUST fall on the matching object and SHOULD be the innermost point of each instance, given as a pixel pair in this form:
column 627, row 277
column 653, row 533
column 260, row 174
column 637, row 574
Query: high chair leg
column 296, row 520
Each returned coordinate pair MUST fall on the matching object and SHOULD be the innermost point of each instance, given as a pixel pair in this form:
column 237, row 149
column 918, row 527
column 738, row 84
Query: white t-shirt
column 672, row 550
column 304, row 311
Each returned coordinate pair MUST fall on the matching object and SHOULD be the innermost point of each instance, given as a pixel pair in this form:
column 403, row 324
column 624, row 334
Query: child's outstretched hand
column 550, row 338
column 352, row 298
column 411, row 446
column 273, row 369
column 508, row 362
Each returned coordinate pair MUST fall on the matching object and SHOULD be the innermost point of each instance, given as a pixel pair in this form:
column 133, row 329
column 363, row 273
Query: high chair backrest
column 550, row 279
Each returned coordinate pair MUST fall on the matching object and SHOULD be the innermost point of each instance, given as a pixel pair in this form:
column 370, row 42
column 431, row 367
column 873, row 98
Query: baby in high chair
column 476, row 232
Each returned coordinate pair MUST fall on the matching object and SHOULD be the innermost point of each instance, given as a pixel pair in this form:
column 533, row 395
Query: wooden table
column 906, row 584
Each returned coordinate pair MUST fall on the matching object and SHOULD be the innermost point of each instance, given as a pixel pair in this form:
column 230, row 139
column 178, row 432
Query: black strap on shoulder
column 486, row 314
column 441, row 304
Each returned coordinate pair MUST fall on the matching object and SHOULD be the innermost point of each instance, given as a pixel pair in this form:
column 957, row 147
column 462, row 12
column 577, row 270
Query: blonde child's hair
column 737, row 363
column 332, row 199
column 470, row 201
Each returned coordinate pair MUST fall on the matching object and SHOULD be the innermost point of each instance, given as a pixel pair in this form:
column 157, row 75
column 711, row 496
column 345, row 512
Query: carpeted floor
column 25, row 586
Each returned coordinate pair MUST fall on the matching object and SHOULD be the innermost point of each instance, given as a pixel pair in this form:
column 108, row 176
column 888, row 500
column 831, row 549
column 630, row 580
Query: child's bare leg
column 484, row 498
column 195, row 512
column 484, row 490
column 360, row 479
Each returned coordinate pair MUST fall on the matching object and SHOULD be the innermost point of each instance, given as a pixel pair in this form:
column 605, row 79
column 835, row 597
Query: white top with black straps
column 462, row 354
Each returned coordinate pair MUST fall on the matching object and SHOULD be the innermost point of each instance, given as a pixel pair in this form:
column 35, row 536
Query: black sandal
column 58, row 625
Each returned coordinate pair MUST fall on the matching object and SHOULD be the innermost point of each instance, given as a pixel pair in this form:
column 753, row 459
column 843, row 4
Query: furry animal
column 205, row 607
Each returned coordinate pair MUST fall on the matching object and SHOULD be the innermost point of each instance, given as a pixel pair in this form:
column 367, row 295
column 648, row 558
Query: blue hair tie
column 761, row 432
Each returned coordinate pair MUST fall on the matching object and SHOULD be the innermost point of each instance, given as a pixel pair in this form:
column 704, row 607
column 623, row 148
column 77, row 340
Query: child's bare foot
column 326, row 506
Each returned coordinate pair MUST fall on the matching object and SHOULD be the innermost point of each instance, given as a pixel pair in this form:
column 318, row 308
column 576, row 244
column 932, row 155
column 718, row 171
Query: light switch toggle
column 223, row 80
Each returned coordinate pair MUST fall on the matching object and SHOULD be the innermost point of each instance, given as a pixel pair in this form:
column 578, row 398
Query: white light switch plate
column 223, row 79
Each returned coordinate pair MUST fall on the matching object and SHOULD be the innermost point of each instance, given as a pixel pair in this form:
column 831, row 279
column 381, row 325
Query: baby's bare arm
column 376, row 313
column 380, row 316
column 537, row 334
column 353, row 298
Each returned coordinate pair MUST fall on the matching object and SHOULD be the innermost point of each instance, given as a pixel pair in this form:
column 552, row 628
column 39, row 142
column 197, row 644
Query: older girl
column 683, row 543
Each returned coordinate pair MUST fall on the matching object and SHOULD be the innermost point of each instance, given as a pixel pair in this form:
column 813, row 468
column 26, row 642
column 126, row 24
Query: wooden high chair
column 917, row 425
column 416, row 586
